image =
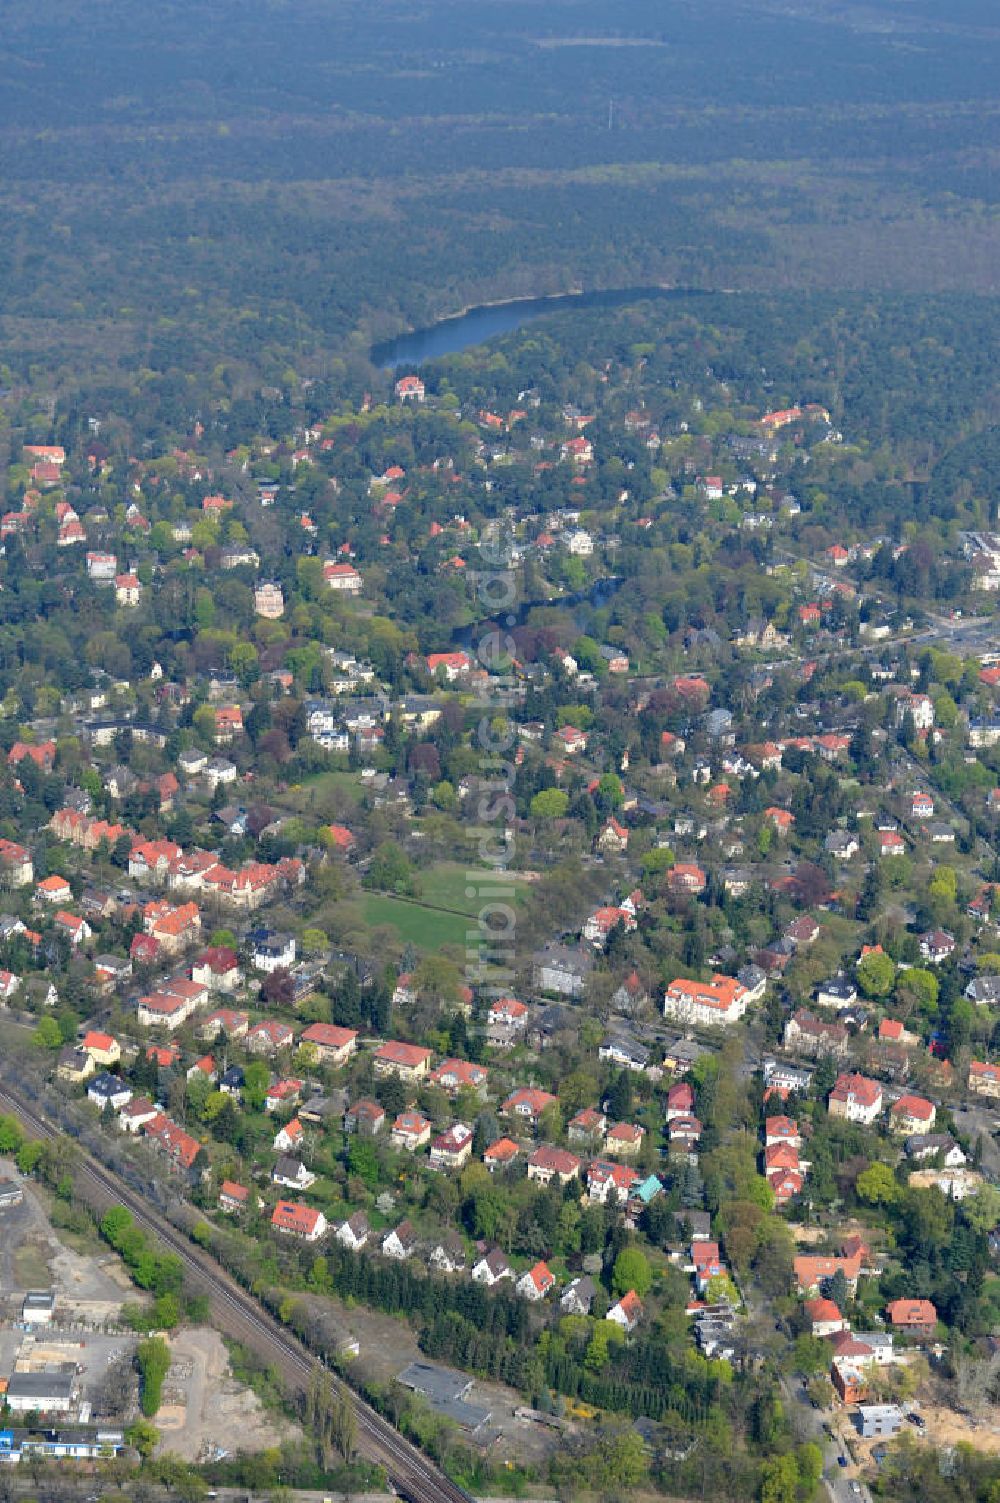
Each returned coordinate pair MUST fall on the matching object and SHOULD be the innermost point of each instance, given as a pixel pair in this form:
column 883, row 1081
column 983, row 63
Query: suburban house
column 856, row 1099
column 984, row 1079
column 410, row 1131
column 272, row 952
column 837, row 994
column 625, row 1053
column 912, row 1115
column 334, row 1046
column 607, row 1181
column 508, row 1012
column 294, row 1219
column 228, row 1020
column 291, row 1173
column 136, row 1113
column 912, row 1317
column 627, row 1313
column 561, row 970
column 354, row 1232
column 409, row 1062
column 282, row 1093
column 686, row 877
column 528, row 1103
column 410, row 389
column 448, row 1256
column 218, row 968
column 824, row 1317
column 453, row 1075
column 109, row 1091
column 365, row 1117
column 624, row 1139
column 547, row 1164
column 807, row 1034
column 269, row 1036
column 179, row 1146
column 103, row 1048
column 400, row 1243
column 588, row 1126
column 578, row 1296
column 491, row 1268
column 452, row 1148
column 233, row 1197
column 936, row 946
column 536, row 1283
column 781, row 1130
column 501, row 1154
column 812, row 1270
column 160, row 1010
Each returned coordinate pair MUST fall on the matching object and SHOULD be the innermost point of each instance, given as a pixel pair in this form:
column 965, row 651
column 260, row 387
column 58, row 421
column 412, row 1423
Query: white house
column 353, row 1232
column 491, row 1268
column 708, row 1004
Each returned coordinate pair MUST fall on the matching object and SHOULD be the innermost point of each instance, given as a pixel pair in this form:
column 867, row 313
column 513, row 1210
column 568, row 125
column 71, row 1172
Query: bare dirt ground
column 946, row 1428
column 205, row 1412
column 388, row 1344
column 88, row 1289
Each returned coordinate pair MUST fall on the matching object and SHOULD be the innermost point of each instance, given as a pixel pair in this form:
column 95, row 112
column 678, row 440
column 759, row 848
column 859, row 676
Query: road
column 239, row 1315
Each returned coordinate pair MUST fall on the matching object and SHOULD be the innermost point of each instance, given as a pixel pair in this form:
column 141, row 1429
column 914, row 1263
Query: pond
column 464, row 330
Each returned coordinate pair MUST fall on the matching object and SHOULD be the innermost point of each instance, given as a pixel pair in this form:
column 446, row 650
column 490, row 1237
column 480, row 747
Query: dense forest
column 173, row 199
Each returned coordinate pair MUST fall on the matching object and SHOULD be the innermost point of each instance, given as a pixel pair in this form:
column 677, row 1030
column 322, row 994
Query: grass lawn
column 446, row 885
column 419, row 921
column 425, row 928
column 348, row 784
column 31, row 1265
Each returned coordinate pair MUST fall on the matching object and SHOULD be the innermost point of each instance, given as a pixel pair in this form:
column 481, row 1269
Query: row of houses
column 490, row 1267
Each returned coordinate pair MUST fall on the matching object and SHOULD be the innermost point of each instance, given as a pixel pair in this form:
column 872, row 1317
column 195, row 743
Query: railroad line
column 241, row 1316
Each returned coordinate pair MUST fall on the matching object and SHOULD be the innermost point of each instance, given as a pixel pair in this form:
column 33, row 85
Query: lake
column 598, row 594
column 464, row 330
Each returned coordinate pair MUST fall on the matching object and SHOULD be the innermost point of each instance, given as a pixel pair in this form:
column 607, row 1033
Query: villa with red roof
column 536, row 1283
column 457, row 1074
column 410, row 389
column 527, row 1102
column 856, row 1099
column 811, row 1270
column 711, row 1004
column 824, row 1317
column 912, row 1115
column 452, row 664
column 627, row 1313
column 342, row 577
column 984, row 1079
column 501, row 1154
column 409, row 1062
column 912, row 1317
column 547, row 1164
column 293, row 1219
column 334, row 1046
column 686, row 876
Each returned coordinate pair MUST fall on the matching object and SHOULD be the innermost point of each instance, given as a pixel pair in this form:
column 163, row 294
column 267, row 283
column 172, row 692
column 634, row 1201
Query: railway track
column 241, row 1316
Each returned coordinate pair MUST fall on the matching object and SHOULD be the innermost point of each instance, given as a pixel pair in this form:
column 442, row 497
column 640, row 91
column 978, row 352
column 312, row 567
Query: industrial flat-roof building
column 46, row 1393
column 447, row 1393
column 38, row 1308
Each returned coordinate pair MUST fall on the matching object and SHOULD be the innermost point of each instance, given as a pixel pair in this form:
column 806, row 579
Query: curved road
column 241, row 1316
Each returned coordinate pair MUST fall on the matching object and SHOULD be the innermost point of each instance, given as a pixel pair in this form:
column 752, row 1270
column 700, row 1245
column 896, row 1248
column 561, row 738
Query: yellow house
column 103, row 1048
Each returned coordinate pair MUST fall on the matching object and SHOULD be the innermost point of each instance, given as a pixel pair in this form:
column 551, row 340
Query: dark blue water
column 473, row 327
column 597, row 595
